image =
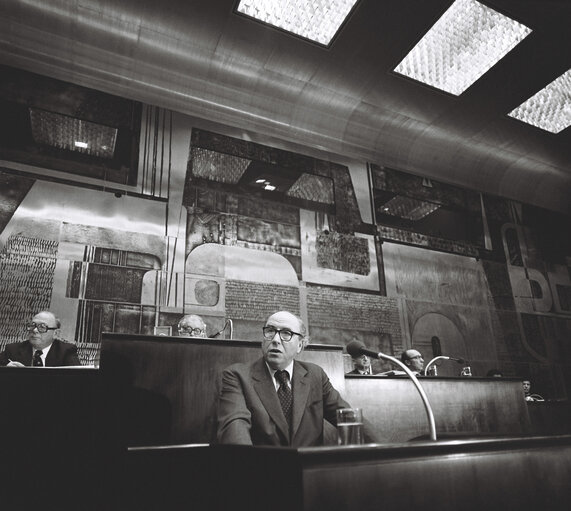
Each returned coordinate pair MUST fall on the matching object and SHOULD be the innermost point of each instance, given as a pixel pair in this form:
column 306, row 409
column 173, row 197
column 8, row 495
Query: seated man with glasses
column 277, row 400
column 41, row 348
column 191, row 325
column 413, row 360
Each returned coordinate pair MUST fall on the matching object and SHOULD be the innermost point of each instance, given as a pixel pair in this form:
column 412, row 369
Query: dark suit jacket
column 60, row 354
column 249, row 410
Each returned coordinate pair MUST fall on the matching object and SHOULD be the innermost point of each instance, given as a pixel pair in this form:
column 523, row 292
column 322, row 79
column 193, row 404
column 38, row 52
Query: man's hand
column 13, row 363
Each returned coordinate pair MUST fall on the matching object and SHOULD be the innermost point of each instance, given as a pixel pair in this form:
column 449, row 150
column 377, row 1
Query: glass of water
column 349, row 426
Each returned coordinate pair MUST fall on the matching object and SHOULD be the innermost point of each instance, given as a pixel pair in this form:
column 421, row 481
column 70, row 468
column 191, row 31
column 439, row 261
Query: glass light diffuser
column 317, row 20
column 550, row 108
column 409, row 208
column 461, row 46
column 72, row 134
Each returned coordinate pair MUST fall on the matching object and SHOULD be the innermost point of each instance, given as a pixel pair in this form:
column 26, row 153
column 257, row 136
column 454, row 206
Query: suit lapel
column 300, row 388
column 25, row 353
column 52, row 355
column 266, row 391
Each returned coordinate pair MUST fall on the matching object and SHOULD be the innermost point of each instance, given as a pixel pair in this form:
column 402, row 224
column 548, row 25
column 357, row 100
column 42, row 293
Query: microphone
column 442, row 357
column 357, row 348
column 226, row 323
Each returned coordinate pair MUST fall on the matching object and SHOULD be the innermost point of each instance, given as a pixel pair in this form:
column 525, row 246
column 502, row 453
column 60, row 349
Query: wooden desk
column 524, row 474
column 59, row 443
column 461, row 406
column 550, row 417
column 170, row 384
column 167, row 386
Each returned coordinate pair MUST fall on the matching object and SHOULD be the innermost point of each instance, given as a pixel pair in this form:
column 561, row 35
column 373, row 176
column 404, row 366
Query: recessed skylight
column 550, row 108
column 72, row 134
column 317, row 20
column 409, row 208
column 461, row 46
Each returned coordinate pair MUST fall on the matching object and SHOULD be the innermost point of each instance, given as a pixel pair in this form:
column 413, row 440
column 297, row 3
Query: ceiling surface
column 200, row 58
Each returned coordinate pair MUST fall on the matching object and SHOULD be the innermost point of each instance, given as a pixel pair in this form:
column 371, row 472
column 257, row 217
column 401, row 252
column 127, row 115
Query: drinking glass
column 349, row 426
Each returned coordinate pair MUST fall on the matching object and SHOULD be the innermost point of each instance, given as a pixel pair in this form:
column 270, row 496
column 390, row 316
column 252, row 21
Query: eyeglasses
column 41, row 327
column 190, row 330
column 285, row 335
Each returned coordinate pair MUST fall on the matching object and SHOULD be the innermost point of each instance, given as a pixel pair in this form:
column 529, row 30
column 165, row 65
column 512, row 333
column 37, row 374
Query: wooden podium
column 167, row 386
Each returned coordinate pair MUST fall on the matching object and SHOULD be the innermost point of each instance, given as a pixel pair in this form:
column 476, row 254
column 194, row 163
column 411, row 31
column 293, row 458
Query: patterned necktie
column 37, row 358
column 285, row 395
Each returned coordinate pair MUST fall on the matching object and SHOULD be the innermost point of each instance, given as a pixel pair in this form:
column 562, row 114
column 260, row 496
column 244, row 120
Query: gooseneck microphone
column 356, row 348
column 226, row 323
column 442, row 357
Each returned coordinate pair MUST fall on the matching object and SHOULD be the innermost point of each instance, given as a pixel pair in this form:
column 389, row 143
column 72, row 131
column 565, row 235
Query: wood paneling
column 168, row 386
column 495, row 474
column 461, row 406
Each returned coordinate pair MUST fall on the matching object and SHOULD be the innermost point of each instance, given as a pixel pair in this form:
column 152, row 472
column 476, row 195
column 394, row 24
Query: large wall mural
column 201, row 222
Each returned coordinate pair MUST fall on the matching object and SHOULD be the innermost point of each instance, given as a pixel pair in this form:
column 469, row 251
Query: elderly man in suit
column 41, row 348
column 362, row 365
column 191, row 325
column 277, row 400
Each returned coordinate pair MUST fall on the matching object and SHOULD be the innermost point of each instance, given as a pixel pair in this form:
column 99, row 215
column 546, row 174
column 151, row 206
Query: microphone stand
column 432, row 362
column 226, row 323
column 427, row 407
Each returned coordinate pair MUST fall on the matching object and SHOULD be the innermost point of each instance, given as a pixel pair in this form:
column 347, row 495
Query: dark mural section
column 516, row 256
column 62, row 126
column 420, row 211
column 534, row 282
column 254, row 167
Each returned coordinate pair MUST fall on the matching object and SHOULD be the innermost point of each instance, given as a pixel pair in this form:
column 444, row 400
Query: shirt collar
column 44, row 352
column 288, row 368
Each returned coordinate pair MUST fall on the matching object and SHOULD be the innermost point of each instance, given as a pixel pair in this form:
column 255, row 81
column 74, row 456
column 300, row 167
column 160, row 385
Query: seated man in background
column 527, row 392
column 277, row 400
column 413, row 360
column 191, row 325
column 362, row 365
column 41, row 348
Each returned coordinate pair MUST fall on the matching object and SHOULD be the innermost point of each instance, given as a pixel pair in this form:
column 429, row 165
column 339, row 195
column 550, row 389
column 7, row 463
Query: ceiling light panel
column 409, row 208
column 72, row 134
column 461, row 46
column 550, row 108
column 317, row 20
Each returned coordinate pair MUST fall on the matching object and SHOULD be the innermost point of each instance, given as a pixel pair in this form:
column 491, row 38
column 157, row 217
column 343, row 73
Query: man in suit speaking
column 277, row 400
column 41, row 348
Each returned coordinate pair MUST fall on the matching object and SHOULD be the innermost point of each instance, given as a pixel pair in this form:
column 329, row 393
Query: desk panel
column 461, row 406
